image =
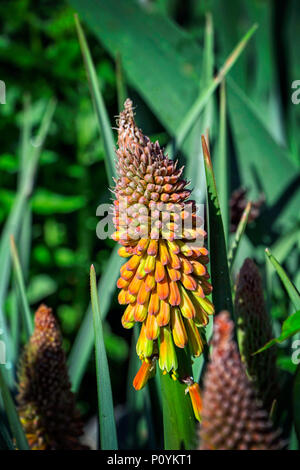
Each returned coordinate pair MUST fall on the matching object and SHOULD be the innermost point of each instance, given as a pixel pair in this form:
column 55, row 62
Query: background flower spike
column 254, row 331
column 233, row 417
column 46, row 404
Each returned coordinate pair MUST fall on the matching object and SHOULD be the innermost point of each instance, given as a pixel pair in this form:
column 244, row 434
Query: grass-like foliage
column 153, row 102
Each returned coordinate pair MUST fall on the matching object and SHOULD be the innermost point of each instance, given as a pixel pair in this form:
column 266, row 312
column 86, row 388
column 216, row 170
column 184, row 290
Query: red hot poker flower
column 164, row 282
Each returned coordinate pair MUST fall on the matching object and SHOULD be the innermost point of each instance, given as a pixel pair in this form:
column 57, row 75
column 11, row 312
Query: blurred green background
column 160, row 45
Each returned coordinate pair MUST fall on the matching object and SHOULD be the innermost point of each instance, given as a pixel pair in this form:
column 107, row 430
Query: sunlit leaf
column 290, row 288
column 290, row 327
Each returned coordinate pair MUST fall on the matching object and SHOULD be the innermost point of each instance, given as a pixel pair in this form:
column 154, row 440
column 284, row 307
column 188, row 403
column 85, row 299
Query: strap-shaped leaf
column 108, row 433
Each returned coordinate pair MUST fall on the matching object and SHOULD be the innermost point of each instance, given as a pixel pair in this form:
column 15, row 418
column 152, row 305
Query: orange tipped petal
column 189, row 282
column 163, row 289
column 200, row 233
column 186, row 305
column 143, row 295
column 134, row 286
column 122, row 297
column 190, row 234
column 121, row 283
column 152, row 328
column 207, row 305
column 175, row 261
column 153, row 248
column 153, row 306
column 194, row 392
column 129, row 298
column 133, row 263
column 167, row 354
column 126, row 324
column 163, row 316
column 128, row 315
column 201, row 317
column 142, row 245
column 150, row 282
column 185, row 249
column 199, row 291
column 174, row 274
column 198, row 268
column 126, row 275
column 186, row 265
column 173, row 247
column 178, row 329
column 159, row 271
column 140, row 312
column 195, row 340
column 145, row 372
column 127, row 319
column 144, row 346
column 141, row 273
column 150, row 264
column 164, row 254
column 174, row 296
column 123, row 252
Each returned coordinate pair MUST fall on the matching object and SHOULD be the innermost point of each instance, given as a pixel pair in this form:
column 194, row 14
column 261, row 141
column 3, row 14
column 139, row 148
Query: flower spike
column 255, row 330
column 164, row 281
column 46, row 403
column 233, row 417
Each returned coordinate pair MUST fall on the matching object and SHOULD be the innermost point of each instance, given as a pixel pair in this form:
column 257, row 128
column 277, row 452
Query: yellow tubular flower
column 164, row 282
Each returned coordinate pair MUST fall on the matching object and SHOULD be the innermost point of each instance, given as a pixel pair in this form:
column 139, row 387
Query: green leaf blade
column 289, row 286
column 221, row 293
column 27, row 317
column 290, row 327
column 296, row 402
column 178, row 417
column 238, row 235
column 12, row 415
column 222, row 168
column 14, row 221
column 193, row 114
column 98, row 101
column 83, row 345
column 108, row 434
